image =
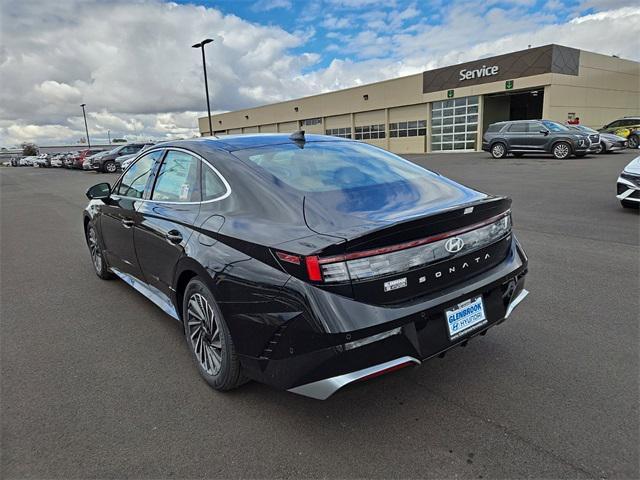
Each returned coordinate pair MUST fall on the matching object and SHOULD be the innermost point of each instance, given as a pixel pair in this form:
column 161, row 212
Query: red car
column 81, row 156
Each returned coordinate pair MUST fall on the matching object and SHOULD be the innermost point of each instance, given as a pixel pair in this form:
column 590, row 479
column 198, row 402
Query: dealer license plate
column 466, row 316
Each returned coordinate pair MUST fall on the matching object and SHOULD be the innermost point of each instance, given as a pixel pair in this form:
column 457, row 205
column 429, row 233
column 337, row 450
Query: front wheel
column 561, row 150
column 633, row 141
column 208, row 338
column 601, row 148
column 110, row 167
column 498, row 150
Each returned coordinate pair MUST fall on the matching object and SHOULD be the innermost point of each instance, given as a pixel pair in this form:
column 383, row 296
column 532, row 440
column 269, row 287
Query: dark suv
column 534, row 136
column 107, row 163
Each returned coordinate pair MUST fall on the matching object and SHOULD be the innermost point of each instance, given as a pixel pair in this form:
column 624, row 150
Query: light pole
column 84, row 114
column 109, row 135
column 206, row 84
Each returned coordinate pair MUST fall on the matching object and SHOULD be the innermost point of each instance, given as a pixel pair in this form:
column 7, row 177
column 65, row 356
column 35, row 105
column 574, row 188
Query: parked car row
column 111, row 161
column 100, row 160
column 519, row 137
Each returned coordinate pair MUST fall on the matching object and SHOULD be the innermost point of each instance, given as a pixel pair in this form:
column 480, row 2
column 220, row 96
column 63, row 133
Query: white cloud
column 127, row 59
column 266, row 5
column 335, row 23
column 131, row 62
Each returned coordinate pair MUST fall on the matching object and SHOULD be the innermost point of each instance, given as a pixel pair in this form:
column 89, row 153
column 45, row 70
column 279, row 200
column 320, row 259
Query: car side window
column 178, row 178
column 519, row 127
column 212, row 185
column 536, row 127
column 615, row 124
column 135, row 179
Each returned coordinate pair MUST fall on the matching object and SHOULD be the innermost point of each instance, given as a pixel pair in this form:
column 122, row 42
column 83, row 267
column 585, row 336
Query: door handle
column 127, row 222
column 174, row 236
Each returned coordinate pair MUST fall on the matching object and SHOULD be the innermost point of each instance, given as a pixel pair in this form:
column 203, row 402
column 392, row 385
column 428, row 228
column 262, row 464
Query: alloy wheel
column 94, row 248
column 599, row 148
column 498, row 150
column 633, row 141
column 204, row 334
column 110, row 167
column 561, row 150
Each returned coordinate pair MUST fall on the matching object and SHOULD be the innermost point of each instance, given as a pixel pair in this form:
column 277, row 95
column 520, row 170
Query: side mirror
column 101, row 191
column 544, row 132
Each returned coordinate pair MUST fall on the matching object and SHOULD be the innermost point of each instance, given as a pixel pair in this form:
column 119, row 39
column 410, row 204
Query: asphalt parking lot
column 97, row 382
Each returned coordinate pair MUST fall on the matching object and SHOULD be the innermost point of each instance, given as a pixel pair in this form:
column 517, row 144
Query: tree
column 29, row 149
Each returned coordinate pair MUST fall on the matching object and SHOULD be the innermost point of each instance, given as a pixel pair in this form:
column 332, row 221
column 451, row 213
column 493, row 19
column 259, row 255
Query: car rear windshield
column 330, row 166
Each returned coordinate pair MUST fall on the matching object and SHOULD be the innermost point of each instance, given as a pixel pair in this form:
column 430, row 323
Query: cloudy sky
column 131, row 61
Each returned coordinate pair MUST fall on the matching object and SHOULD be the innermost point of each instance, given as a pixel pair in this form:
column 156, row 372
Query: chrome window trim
column 164, row 202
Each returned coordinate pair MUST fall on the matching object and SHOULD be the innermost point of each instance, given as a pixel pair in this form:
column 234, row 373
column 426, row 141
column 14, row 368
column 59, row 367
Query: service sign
column 483, row 71
column 510, row 66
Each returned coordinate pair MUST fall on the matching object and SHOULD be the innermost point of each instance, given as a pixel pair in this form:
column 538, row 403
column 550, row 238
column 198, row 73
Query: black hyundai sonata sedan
column 306, row 262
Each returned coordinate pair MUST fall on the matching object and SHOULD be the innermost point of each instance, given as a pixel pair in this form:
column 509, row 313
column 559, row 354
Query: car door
column 118, row 215
column 164, row 222
column 537, row 136
column 517, row 136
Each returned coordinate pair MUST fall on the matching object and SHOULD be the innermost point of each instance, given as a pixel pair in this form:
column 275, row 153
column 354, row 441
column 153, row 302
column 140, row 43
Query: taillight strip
column 411, row 244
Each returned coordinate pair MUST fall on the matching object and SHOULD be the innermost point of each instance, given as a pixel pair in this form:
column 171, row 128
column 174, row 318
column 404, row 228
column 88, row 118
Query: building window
column 370, row 132
column 311, row 121
column 454, row 124
column 339, row 132
column 414, row 128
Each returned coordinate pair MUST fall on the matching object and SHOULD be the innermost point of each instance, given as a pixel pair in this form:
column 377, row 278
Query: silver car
column 607, row 142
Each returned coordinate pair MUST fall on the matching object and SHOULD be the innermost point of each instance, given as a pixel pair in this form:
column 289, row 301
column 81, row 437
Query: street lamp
column 84, row 114
column 206, row 84
column 109, row 135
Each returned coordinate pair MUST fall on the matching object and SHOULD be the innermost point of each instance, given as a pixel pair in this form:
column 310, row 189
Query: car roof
column 251, row 140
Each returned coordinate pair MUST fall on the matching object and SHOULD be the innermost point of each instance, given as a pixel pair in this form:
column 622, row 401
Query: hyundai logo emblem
column 454, row 245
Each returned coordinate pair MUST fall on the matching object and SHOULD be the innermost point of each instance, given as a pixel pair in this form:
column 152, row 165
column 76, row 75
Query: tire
column 628, row 204
column 208, row 338
column 561, row 150
column 602, row 148
column 109, row 167
column 498, row 150
column 97, row 258
column 518, row 155
column 633, row 141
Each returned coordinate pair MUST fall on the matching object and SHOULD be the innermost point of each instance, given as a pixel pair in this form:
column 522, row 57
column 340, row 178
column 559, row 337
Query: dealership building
column 448, row 109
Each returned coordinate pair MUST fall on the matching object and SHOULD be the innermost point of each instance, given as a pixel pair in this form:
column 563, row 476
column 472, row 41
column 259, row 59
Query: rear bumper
column 397, row 336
